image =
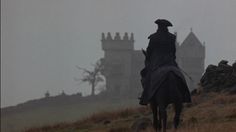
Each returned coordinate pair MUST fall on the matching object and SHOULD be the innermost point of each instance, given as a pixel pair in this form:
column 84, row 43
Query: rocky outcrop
column 219, row 78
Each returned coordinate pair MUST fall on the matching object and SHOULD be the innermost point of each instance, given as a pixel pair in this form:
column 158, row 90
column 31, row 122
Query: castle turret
column 191, row 58
column 103, row 36
column 117, row 61
column 132, row 37
column 108, row 43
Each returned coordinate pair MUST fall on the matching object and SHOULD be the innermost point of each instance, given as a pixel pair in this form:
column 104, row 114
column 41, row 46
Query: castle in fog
column 123, row 63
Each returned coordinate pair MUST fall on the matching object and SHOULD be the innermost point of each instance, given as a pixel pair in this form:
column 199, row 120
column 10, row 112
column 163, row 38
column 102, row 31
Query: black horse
column 162, row 79
column 171, row 90
column 159, row 104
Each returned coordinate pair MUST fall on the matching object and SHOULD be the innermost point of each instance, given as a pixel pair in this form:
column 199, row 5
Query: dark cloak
column 161, row 75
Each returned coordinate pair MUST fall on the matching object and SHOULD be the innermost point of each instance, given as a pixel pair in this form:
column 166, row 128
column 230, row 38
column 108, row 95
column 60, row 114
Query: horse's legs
column 159, row 121
column 155, row 119
column 178, row 109
column 163, row 116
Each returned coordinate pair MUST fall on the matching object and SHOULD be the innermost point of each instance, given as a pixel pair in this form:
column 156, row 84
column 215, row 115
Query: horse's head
column 144, row 52
column 146, row 60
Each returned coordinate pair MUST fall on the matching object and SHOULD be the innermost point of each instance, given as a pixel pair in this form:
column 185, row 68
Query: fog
column 43, row 40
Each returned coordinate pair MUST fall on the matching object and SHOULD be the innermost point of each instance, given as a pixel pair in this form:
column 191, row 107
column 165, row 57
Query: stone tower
column 117, row 62
column 190, row 57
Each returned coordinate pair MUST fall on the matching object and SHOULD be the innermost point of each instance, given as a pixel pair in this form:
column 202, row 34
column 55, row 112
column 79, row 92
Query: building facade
column 122, row 63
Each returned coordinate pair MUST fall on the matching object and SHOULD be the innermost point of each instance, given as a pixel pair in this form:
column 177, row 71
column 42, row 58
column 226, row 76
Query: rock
column 232, row 90
column 219, row 78
column 234, row 65
column 234, row 69
column 106, row 122
column 223, row 62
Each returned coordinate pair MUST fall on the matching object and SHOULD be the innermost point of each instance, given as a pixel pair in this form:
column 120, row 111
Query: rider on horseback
column 159, row 63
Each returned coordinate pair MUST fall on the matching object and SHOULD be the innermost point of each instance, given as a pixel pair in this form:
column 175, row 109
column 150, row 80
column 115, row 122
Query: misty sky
column 43, row 40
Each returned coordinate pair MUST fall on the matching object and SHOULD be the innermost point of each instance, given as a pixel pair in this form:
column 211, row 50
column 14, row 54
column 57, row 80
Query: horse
column 169, row 92
column 158, row 104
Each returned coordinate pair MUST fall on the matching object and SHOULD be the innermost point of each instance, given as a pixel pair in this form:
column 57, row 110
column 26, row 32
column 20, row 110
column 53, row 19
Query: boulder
column 219, row 78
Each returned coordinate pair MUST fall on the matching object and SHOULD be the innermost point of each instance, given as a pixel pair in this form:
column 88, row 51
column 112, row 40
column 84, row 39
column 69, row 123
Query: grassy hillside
column 208, row 113
column 25, row 115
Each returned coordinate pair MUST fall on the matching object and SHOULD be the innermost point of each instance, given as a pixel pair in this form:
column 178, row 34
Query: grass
column 208, row 113
column 103, row 121
column 47, row 116
column 211, row 127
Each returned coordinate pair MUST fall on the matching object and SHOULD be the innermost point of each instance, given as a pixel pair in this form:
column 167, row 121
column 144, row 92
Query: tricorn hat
column 163, row 22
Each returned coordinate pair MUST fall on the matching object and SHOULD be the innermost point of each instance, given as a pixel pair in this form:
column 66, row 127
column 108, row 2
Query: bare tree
column 93, row 77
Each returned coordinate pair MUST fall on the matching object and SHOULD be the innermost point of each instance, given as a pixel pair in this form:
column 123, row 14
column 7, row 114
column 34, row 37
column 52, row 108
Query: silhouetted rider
column 160, row 54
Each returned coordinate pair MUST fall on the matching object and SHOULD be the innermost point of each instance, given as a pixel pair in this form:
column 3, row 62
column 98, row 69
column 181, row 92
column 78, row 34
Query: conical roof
column 191, row 40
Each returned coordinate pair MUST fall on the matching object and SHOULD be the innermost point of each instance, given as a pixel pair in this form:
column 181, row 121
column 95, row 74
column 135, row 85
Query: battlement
column 117, row 37
column 117, row 42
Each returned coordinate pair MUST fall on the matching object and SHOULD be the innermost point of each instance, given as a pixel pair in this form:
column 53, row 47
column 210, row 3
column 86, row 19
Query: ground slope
column 212, row 112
